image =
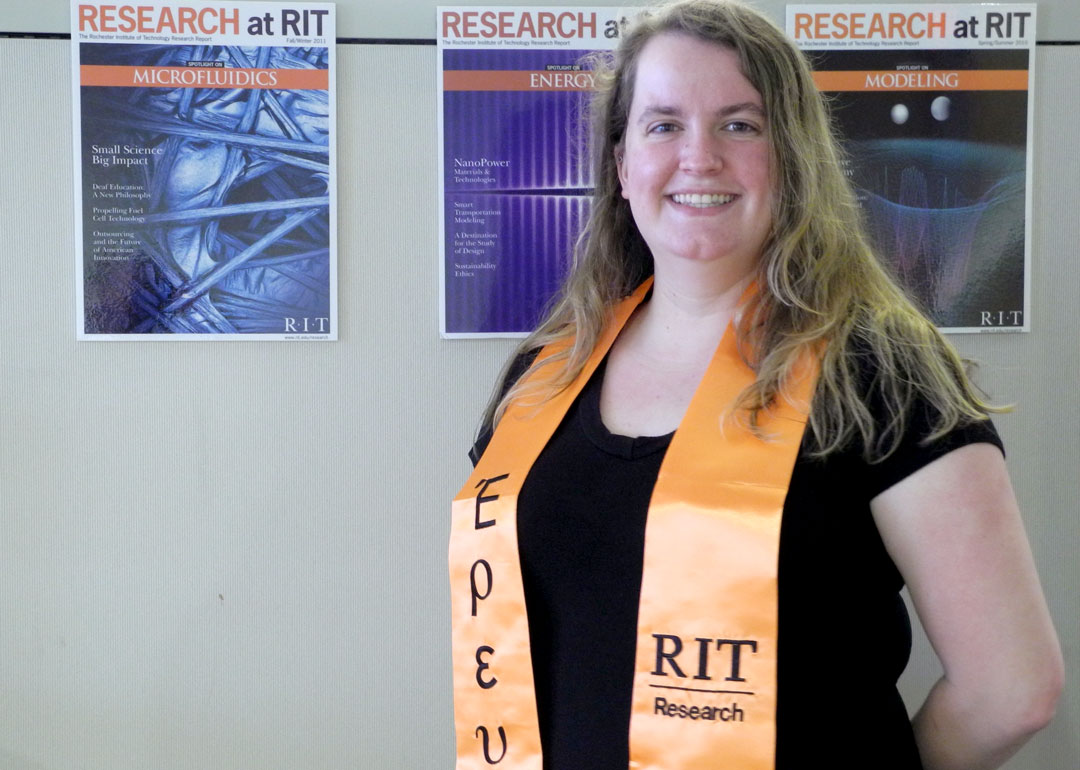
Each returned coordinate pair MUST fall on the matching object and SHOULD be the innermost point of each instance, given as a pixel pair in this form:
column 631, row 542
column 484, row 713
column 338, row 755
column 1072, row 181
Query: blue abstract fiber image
column 941, row 176
column 949, row 215
column 226, row 221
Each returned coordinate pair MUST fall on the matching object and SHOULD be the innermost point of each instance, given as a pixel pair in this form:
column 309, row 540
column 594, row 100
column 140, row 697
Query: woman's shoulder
column 905, row 441
column 519, row 364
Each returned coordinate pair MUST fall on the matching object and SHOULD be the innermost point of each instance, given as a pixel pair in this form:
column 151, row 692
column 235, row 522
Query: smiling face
column 694, row 162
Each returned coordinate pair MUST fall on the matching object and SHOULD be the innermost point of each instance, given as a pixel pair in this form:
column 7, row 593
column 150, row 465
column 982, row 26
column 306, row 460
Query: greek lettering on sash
column 480, row 499
column 487, row 753
column 479, row 595
column 481, row 667
column 472, row 580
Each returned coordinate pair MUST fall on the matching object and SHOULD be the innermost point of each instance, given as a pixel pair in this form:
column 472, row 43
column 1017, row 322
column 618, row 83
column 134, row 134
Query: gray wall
column 232, row 555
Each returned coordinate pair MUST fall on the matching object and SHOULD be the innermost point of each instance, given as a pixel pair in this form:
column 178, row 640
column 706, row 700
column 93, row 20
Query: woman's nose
column 701, row 152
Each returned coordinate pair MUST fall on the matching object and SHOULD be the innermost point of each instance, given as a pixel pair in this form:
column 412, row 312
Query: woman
column 721, row 456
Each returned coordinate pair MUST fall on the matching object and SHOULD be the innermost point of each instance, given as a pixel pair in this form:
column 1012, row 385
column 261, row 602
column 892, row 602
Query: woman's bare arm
column 954, row 530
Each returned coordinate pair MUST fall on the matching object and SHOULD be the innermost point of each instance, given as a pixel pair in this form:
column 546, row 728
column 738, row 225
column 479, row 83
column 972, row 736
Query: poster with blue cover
column 933, row 105
column 204, row 171
column 515, row 179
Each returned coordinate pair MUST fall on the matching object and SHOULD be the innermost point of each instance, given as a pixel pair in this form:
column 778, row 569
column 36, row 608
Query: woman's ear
column 620, row 164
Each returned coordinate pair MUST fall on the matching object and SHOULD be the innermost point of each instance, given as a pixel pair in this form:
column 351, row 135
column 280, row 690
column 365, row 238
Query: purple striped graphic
column 521, row 158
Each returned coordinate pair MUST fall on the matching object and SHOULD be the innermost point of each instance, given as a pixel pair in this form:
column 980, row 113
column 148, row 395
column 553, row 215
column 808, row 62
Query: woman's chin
column 707, row 255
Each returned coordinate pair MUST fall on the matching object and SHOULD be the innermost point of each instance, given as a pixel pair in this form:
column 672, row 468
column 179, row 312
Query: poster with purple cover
column 515, row 178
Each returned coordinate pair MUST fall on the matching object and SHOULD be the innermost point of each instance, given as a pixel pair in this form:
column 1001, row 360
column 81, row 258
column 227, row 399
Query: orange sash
column 704, row 692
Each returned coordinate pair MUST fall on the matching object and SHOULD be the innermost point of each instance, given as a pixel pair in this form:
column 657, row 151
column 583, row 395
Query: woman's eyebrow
column 732, row 109
column 666, row 111
column 658, row 111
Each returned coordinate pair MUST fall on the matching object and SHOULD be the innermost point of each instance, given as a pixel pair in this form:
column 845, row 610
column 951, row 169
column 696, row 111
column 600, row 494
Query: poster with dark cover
column 933, row 103
column 204, row 170
column 515, row 176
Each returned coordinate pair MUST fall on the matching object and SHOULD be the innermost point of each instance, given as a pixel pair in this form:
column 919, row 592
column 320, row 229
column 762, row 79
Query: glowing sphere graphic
column 899, row 114
column 940, row 108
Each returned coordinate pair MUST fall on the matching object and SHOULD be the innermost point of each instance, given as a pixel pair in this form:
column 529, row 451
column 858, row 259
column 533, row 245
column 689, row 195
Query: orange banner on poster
column 921, row 80
column 204, row 77
column 518, row 80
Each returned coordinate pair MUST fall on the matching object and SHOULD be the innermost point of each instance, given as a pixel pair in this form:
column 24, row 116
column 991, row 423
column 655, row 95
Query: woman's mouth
column 702, row 200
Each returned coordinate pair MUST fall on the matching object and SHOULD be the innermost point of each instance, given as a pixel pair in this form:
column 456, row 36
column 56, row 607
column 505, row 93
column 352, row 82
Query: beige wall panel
column 232, row 555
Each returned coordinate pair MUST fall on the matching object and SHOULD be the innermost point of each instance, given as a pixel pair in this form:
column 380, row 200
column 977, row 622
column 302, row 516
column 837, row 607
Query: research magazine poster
column 204, row 170
column 934, row 106
column 515, row 179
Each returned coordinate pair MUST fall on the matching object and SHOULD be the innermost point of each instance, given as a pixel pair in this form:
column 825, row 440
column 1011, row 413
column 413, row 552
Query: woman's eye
column 662, row 128
column 740, row 127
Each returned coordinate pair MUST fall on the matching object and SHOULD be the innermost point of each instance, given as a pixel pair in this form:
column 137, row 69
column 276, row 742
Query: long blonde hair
column 822, row 288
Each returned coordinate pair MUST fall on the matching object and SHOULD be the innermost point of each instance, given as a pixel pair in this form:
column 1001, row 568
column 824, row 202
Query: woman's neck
column 657, row 361
column 690, row 309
